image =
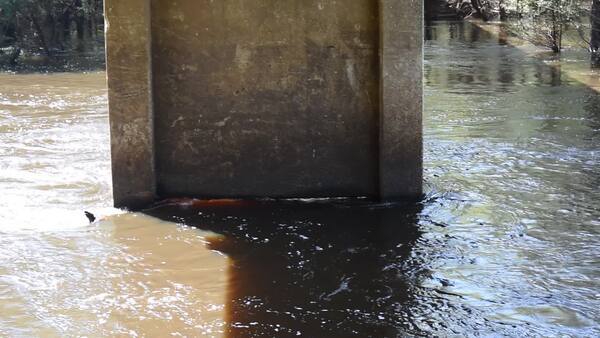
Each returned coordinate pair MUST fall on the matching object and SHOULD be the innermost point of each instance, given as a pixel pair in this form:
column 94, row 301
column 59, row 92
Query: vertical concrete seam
column 380, row 49
column 151, row 117
column 422, row 67
column 401, row 134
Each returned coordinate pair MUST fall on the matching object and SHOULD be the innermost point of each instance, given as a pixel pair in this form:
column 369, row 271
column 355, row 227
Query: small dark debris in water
column 446, row 283
column 90, row 216
column 439, row 224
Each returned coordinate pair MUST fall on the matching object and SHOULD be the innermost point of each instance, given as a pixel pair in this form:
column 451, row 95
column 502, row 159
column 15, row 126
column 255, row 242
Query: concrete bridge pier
column 270, row 98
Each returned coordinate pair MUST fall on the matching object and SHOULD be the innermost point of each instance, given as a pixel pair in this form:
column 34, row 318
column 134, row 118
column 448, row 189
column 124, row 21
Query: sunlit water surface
column 506, row 242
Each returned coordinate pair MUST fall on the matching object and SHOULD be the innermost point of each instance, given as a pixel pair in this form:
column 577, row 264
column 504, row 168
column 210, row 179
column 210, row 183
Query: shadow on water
column 312, row 269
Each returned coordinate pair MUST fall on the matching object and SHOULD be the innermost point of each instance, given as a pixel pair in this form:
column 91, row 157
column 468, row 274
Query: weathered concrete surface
column 128, row 60
column 401, row 132
column 268, row 98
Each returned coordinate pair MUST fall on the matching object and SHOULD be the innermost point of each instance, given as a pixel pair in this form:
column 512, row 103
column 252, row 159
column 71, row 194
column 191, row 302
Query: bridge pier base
column 250, row 99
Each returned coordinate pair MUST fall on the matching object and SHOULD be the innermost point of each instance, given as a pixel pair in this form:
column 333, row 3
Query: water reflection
column 592, row 106
column 512, row 162
column 313, row 269
column 485, row 61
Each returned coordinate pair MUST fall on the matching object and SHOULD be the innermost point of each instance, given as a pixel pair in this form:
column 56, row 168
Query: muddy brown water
column 506, row 242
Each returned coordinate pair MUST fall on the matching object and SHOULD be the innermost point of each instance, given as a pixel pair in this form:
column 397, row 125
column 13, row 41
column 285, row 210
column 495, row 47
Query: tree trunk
column 556, row 32
column 49, row 27
column 66, row 29
column 481, row 9
column 40, row 34
column 503, row 13
column 80, row 27
column 595, row 38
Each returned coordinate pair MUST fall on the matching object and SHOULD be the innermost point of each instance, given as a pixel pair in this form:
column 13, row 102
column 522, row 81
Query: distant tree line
column 49, row 28
column 542, row 22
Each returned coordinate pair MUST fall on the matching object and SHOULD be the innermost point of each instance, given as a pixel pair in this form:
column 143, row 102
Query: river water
column 506, row 241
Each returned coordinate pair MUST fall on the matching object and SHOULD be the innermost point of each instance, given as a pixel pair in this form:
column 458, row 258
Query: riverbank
column 58, row 63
